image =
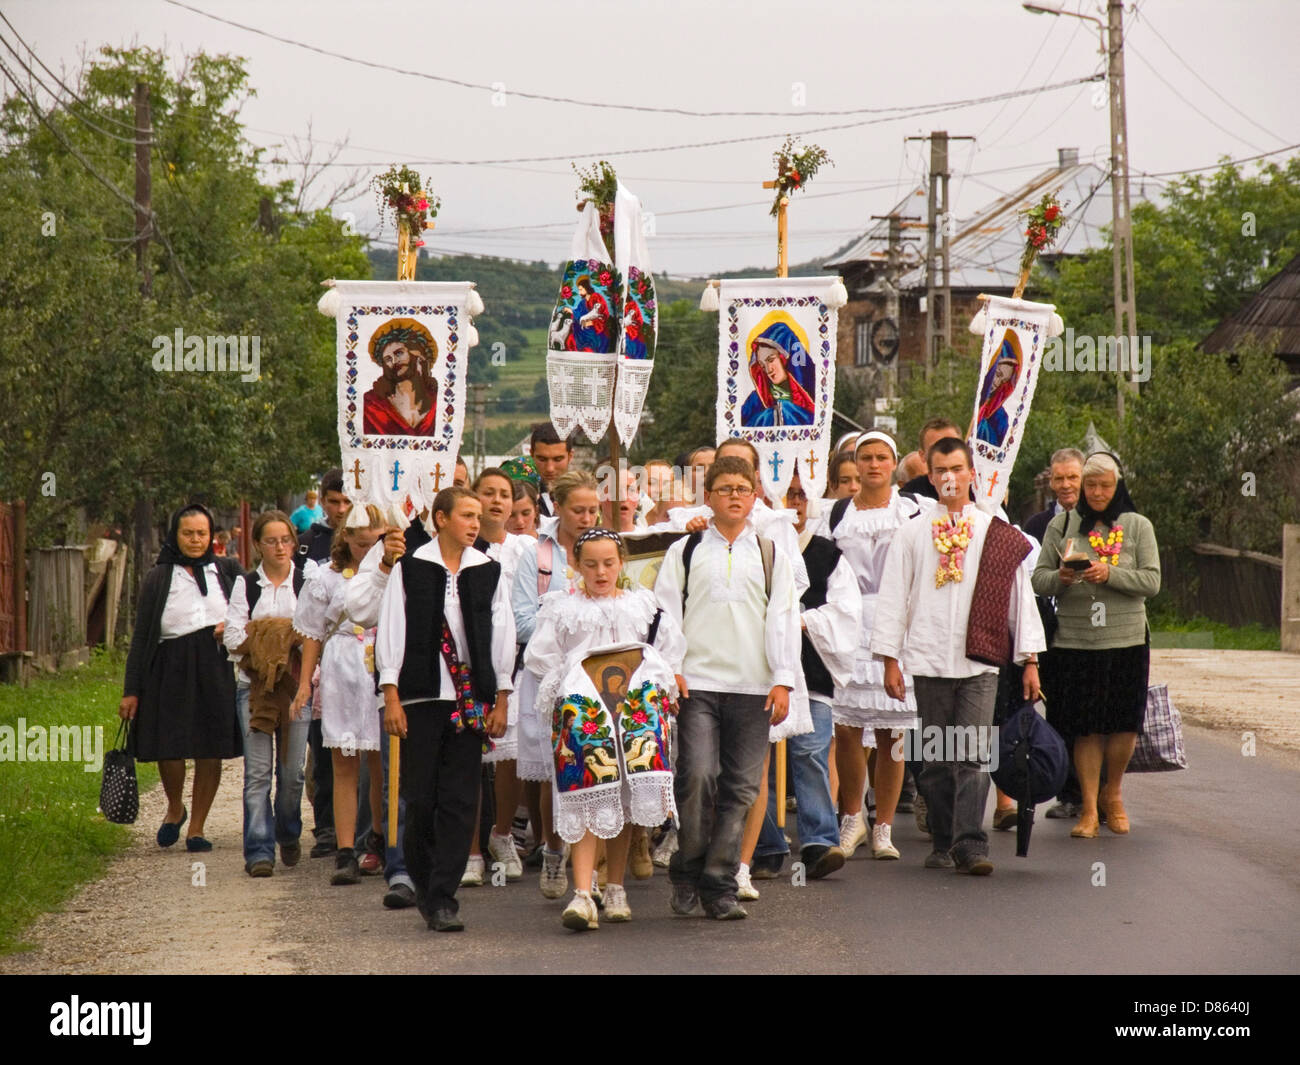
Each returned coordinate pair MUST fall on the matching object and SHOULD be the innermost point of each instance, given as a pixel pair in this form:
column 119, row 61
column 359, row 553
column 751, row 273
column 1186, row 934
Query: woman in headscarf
column 179, row 690
column 1101, row 650
column 780, row 397
column 992, row 421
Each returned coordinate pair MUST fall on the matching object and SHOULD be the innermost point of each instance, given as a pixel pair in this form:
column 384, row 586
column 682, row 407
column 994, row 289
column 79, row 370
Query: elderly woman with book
column 1101, row 563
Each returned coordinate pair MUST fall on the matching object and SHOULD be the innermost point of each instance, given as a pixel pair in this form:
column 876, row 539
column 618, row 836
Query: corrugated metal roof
column 985, row 252
column 873, row 245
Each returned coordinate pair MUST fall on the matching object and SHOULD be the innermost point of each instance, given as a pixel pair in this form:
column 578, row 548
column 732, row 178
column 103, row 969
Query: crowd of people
column 555, row 715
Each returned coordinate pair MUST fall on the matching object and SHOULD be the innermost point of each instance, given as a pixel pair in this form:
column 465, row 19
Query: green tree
column 1215, row 240
column 233, row 256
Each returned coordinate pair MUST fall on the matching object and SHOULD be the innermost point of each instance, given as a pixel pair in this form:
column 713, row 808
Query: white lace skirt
column 864, row 704
column 506, row 749
column 533, row 742
column 351, row 713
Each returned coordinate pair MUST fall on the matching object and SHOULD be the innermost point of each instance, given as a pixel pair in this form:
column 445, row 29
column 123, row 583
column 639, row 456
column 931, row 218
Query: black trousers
column 322, row 775
column 440, row 783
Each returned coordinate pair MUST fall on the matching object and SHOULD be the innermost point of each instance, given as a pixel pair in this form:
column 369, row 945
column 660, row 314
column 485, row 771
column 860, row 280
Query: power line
column 86, row 164
column 36, row 79
column 1217, row 166
column 1170, row 87
column 902, row 111
column 1197, row 76
column 81, row 100
column 722, row 142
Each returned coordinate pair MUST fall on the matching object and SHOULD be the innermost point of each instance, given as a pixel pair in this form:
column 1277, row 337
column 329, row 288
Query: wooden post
column 1291, row 588
column 782, row 270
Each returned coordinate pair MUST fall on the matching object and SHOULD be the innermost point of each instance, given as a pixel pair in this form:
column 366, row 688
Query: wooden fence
column 1224, row 584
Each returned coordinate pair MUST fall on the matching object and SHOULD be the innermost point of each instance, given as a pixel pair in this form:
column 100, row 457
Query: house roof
column 873, row 245
column 985, row 251
column 1272, row 313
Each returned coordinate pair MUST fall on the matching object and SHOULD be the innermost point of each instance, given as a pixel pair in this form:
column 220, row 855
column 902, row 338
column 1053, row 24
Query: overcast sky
column 709, row 56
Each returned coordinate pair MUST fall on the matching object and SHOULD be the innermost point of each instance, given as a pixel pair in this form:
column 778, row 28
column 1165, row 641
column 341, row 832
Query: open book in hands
column 1073, row 558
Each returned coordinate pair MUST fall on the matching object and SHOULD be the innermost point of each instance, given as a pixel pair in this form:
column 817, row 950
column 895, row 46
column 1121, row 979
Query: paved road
column 1204, row 884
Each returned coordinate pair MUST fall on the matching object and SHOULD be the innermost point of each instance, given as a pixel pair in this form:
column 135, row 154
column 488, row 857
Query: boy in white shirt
column 924, row 617
column 444, row 650
column 733, row 594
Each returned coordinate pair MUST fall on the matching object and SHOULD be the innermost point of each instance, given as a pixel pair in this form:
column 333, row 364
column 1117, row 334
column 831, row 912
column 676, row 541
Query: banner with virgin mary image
column 1014, row 332
column 403, row 356
column 776, row 374
column 583, row 339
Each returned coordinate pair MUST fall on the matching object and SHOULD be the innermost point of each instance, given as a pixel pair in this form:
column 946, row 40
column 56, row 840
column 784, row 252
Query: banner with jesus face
column 403, row 358
column 776, row 375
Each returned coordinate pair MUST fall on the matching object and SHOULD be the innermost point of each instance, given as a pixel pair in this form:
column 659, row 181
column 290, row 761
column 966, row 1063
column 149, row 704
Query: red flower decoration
column 639, row 717
column 1051, row 213
column 604, row 277
column 566, row 292
column 589, row 727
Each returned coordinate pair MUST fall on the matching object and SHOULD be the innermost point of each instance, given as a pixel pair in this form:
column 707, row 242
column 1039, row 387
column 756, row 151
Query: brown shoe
column 1004, row 820
column 1087, row 828
column 1117, row 817
column 639, row 862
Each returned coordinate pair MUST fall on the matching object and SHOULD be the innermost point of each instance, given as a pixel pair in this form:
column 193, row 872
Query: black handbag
column 119, row 794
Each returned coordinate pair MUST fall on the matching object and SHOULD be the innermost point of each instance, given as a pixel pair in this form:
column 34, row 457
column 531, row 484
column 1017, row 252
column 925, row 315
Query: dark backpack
column 1032, row 766
column 838, row 511
column 766, row 549
column 253, row 587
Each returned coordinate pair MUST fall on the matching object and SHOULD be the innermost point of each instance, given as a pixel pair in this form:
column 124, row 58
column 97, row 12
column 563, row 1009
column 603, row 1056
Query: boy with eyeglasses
column 728, row 582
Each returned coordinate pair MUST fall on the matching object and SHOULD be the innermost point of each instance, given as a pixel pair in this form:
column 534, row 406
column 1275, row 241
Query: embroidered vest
column 425, row 584
column 988, row 639
column 820, row 557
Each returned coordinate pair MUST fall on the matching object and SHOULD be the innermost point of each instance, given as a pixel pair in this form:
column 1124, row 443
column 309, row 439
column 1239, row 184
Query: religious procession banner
column 604, row 327
column 776, row 374
column 403, row 357
column 1014, row 332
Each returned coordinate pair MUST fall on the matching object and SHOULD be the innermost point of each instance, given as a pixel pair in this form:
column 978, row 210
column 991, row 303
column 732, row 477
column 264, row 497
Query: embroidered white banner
column 1014, row 333
column 776, row 374
column 403, row 358
column 603, row 329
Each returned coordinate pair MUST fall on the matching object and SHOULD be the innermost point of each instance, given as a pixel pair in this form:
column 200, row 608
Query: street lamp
column 1112, row 46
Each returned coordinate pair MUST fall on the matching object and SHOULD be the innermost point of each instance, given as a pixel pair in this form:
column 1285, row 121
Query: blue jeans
column 264, row 828
column 394, row 857
column 811, row 778
column 722, row 737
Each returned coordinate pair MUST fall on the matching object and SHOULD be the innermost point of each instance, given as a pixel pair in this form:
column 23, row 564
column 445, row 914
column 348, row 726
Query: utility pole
column 938, row 287
column 893, row 270
column 1125, row 297
column 480, row 424
column 142, row 512
column 1121, row 223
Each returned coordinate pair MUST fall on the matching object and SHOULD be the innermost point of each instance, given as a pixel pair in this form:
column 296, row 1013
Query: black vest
column 820, row 557
column 425, row 585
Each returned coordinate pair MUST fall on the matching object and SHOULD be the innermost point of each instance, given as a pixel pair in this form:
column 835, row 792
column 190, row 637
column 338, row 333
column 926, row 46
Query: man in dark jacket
column 1066, row 484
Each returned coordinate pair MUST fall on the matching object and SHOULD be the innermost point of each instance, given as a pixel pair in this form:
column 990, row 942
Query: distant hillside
column 522, row 295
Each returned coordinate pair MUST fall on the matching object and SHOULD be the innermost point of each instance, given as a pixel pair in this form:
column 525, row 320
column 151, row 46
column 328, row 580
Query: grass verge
column 52, row 836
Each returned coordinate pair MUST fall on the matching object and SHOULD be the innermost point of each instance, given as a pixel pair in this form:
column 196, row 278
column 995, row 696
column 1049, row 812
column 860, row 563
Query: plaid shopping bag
column 1160, row 746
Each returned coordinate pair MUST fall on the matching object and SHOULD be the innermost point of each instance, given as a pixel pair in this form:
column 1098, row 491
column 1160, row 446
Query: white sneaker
column 473, row 874
column 666, row 849
column 852, row 833
column 745, row 890
column 555, row 881
column 502, row 849
column 881, row 846
column 616, row 907
column 580, row 914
